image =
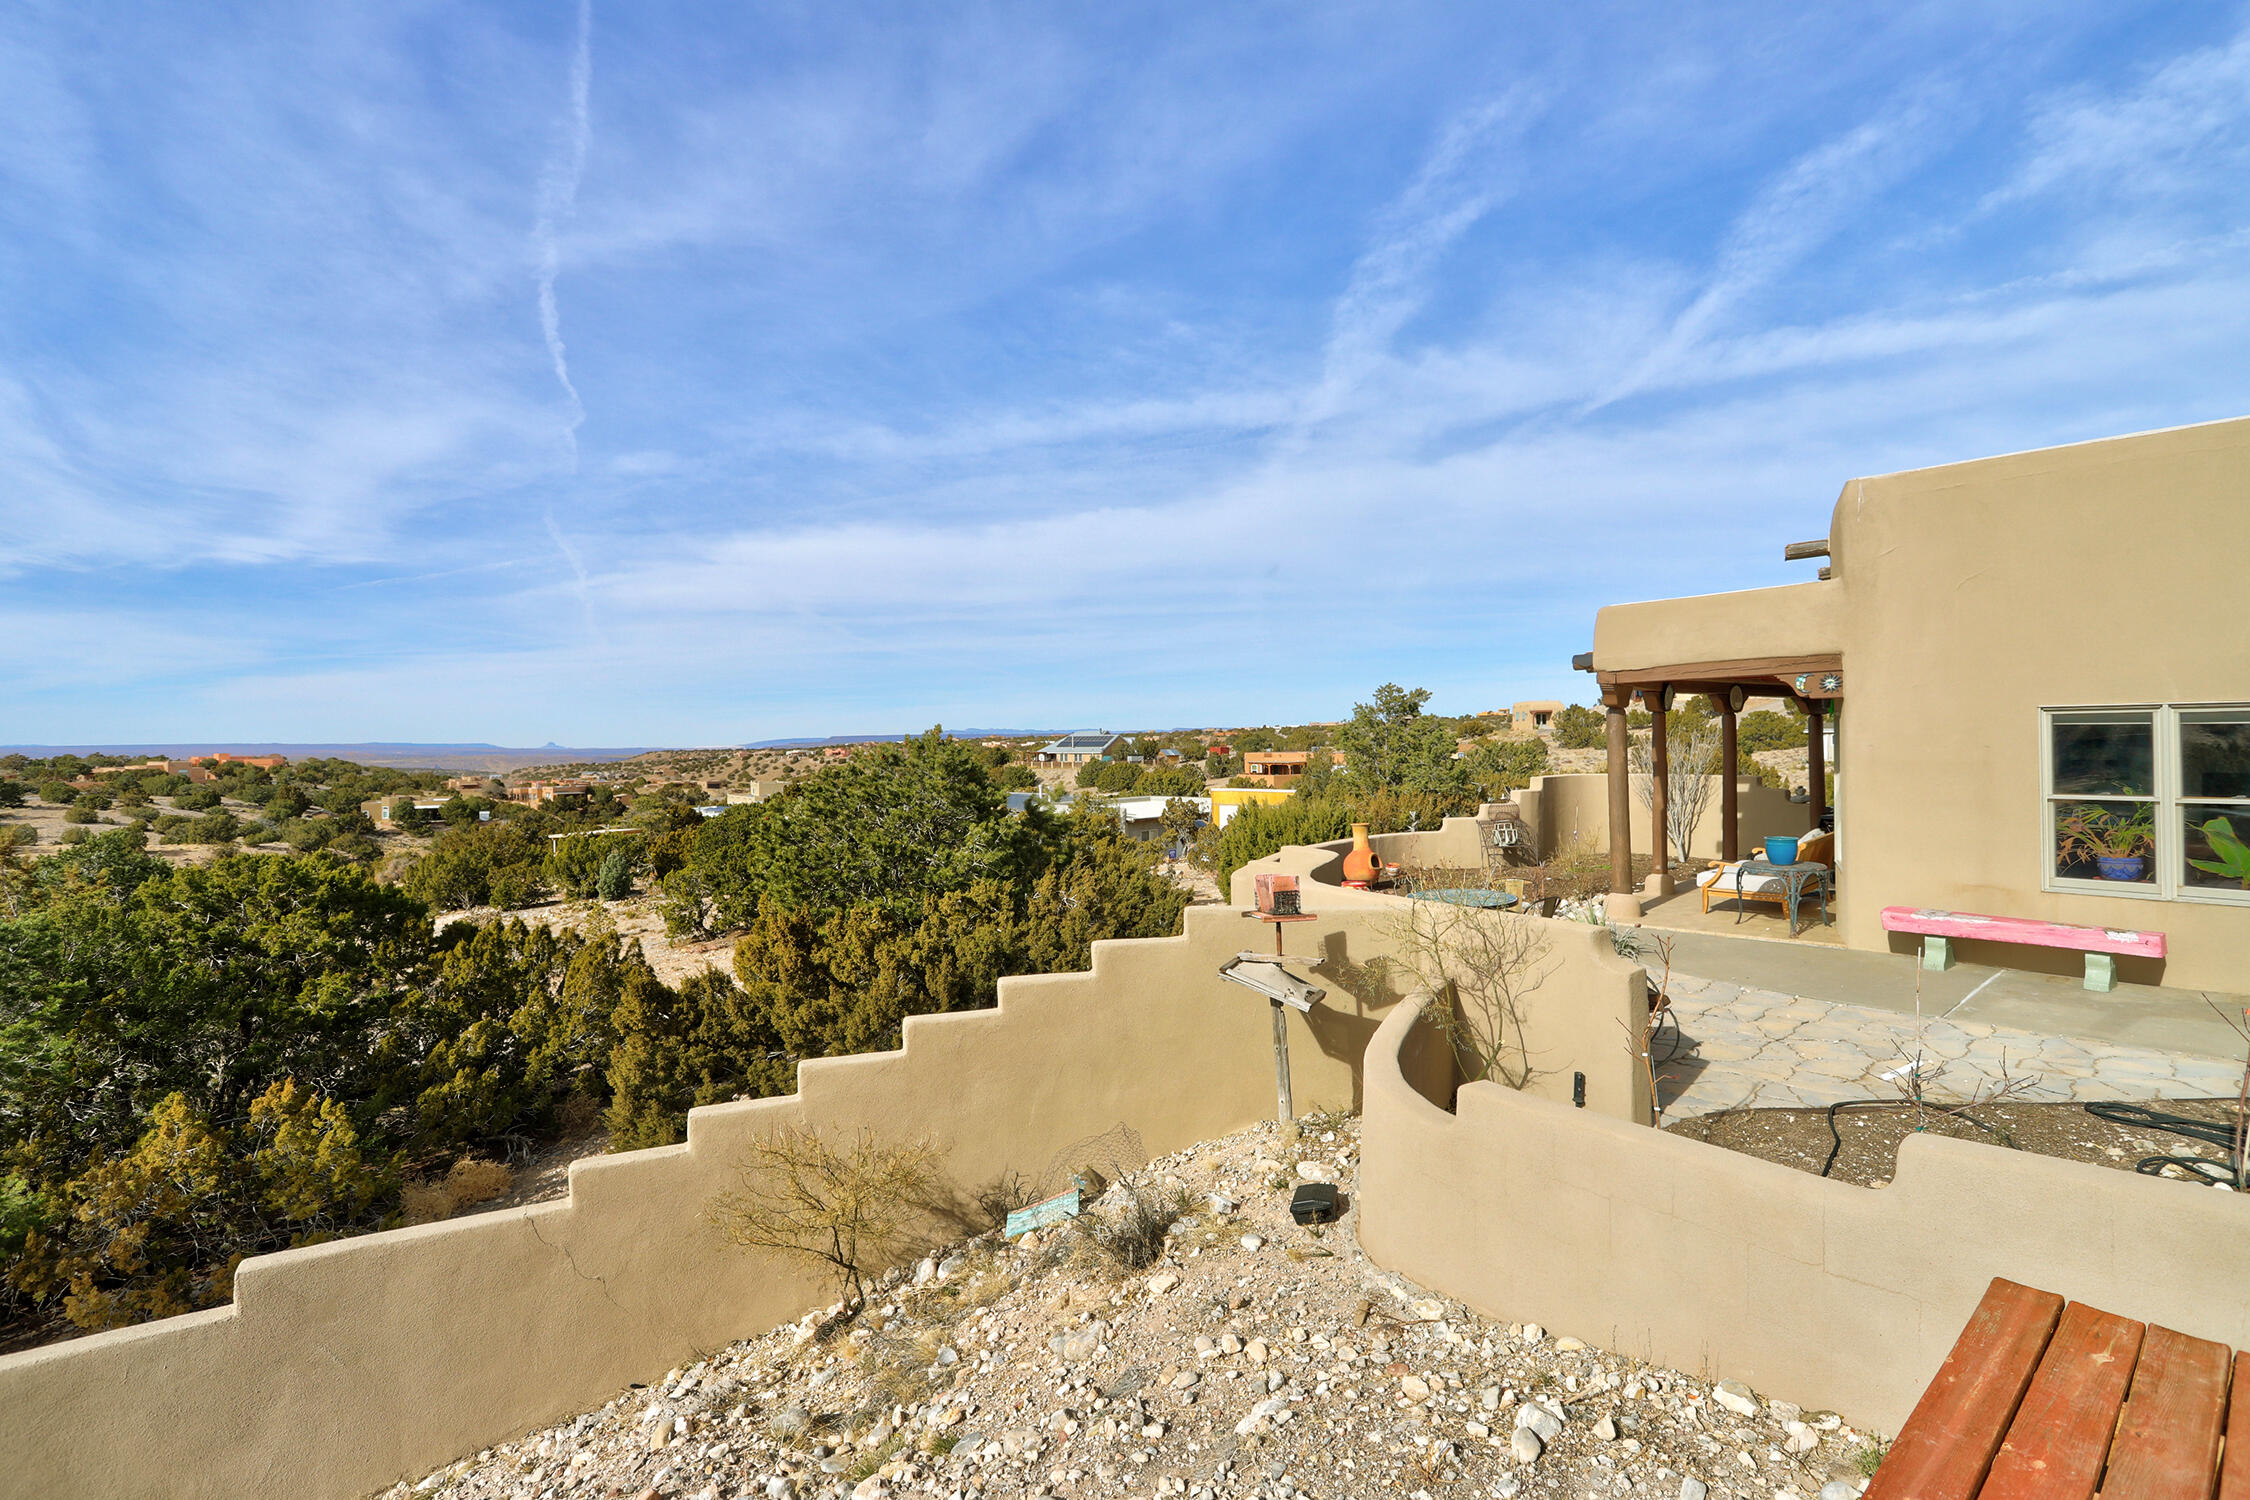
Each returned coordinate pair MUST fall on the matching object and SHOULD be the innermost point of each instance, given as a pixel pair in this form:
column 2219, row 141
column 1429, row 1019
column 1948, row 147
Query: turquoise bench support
column 1937, row 953
column 2101, row 972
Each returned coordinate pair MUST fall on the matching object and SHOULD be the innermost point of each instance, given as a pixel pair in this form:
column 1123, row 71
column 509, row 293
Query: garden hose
column 2210, row 1132
column 1836, row 1137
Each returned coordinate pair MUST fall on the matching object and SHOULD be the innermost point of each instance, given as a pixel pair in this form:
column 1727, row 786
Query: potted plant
column 2234, row 855
column 2118, row 843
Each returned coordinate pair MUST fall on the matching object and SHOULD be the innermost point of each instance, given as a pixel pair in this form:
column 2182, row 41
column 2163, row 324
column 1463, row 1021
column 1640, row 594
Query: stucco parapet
column 1795, row 619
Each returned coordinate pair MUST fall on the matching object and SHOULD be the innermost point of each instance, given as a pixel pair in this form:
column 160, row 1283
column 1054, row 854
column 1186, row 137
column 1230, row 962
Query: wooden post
column 1660, row 784
column 1730, row 796
column 1285, row 1110
column 1816, row 762
column 1620, row 798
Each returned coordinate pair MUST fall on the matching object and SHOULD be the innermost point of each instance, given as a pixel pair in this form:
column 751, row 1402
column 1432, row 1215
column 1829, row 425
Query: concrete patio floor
column 1776, row 1024
column 1682, row 911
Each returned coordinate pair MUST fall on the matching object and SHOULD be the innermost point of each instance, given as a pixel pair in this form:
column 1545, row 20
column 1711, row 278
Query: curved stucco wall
column 1588, row 1011
column 1828, row 1295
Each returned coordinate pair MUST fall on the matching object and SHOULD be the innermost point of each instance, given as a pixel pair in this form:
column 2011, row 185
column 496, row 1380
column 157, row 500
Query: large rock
column 1525, row 1446
column 1534, row 1418
column 1735, row 1397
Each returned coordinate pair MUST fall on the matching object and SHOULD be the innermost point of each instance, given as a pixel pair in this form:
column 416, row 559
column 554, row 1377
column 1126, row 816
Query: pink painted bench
column 2099, row 944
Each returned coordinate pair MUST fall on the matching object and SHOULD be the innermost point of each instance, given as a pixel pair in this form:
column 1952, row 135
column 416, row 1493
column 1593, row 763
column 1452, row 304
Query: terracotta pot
column 1361, row 864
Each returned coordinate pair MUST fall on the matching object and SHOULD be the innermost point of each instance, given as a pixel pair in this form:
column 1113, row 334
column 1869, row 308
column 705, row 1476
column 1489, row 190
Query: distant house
column 1226, row 801
column 758, row 791
column 1533, row 716
column 1143, row 817
column 403, row 807
column 187, row 768
column 1276, row 767
column 569, row 790
column 838, row 752
column 263, row 762
column 1080, row 746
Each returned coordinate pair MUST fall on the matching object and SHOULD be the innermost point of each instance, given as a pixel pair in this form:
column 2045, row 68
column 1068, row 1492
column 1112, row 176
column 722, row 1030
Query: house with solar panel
column 1080, row 746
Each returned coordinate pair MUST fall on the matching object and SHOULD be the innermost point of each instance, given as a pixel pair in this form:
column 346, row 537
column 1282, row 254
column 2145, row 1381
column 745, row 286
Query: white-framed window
column 2149, row 800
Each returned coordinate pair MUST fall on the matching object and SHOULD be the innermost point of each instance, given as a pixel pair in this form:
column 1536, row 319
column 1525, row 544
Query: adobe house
column 2038, row 671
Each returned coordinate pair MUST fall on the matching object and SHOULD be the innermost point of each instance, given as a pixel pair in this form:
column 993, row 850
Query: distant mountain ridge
column 399, row 754
column 892, row 739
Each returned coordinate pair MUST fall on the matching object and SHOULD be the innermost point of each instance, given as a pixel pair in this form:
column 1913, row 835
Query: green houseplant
column 2118, row 843
column 2234, row 855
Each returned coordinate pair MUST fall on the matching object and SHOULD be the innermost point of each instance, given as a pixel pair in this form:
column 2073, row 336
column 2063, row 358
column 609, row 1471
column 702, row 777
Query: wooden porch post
column 1620, row 796
column 1660, row 777
column 1816, row 761
column 1730, row 795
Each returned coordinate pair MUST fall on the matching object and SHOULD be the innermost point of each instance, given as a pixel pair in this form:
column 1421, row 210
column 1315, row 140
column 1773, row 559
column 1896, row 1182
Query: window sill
column 2125, row 891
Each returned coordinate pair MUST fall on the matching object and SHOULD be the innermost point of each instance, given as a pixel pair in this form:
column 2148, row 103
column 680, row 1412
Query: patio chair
column 1718, row 880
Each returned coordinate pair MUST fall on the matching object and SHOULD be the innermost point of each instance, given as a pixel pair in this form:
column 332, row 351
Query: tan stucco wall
column 1796, row 619
column 1828, row 1295
column 1965, row 599
column 2104, row 573
column 1586, row 1014
column 342, row 1368
column 1561, row 809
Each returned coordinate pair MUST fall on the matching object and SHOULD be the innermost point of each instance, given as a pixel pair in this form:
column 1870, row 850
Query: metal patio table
column 1795, row 880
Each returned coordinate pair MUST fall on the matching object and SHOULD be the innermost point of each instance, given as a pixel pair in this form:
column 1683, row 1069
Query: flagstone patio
column 1741, row 1047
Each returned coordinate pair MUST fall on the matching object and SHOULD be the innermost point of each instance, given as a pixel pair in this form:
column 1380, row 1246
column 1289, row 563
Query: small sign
column 1040, row 1215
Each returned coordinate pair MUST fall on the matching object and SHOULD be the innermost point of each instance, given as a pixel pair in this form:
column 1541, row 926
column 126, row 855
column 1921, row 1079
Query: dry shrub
column 1127, row 1229
column 1484, row 965
column 843, row 1207
column 578, row 1114
column 470, row 1181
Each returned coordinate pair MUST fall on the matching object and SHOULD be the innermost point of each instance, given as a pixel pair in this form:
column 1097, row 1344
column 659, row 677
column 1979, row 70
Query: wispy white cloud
column 2186, row 127
column 1031, row 367
column 558, row 199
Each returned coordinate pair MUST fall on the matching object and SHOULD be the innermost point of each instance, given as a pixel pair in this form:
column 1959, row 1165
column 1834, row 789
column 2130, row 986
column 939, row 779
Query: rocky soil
column 1251, row 1357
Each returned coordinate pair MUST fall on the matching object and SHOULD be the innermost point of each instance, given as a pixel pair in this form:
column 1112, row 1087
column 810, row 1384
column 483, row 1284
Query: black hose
column 2141, row 1117
column 2210, row 1132
column 1836, row 1137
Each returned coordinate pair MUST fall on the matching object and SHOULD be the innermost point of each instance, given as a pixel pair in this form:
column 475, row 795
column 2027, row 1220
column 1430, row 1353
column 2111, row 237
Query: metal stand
column 1280, row 988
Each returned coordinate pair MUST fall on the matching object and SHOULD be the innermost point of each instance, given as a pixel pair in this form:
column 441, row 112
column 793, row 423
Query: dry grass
column 470, row 1181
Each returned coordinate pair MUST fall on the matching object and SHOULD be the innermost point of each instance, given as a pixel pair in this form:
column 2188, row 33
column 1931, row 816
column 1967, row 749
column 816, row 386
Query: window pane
column 2105, row 754
column 2215, row 753
column 2215, row 847
column 2104, row 840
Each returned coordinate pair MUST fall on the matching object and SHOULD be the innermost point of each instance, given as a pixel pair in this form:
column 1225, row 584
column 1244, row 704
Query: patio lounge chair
column 1718, row 880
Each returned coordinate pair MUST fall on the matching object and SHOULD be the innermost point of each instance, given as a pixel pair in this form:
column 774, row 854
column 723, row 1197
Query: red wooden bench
column 2099, row 944
column 2043, row 1401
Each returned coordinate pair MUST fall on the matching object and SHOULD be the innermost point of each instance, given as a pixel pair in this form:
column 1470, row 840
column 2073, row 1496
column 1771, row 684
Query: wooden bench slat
column 1947, row 1444
column 2055, row 1446
column 2234, row 1469
column 2167, row 1445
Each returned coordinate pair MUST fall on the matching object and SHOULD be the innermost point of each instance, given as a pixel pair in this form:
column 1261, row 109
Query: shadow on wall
column 341, row 1368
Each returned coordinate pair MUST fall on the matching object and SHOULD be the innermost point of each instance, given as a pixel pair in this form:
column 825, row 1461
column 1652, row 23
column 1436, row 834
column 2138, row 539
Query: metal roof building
column 1079, row 747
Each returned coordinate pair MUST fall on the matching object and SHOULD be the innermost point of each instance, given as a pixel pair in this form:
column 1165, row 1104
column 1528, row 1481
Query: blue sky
column 692, row 374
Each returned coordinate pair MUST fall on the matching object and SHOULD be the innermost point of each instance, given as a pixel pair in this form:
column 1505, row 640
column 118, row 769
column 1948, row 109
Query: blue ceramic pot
column 1780, row 850
column 2120, row 866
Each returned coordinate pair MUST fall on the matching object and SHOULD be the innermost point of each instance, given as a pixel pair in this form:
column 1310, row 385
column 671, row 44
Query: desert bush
column 1498, row 767
column 1767, row 730
column 197, row 798
column 1126, row 1230
column 76, row 835
column 841, row 1207
column 84, row 810
column 1483, row 965
column 476, row 863
column 1580, row 728
column 57, row 793
column 13, row 793
column 468, row 1182
column 613, row 879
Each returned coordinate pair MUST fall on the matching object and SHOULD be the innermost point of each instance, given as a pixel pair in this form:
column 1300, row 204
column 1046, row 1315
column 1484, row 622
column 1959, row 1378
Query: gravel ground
column 1253, row 1358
